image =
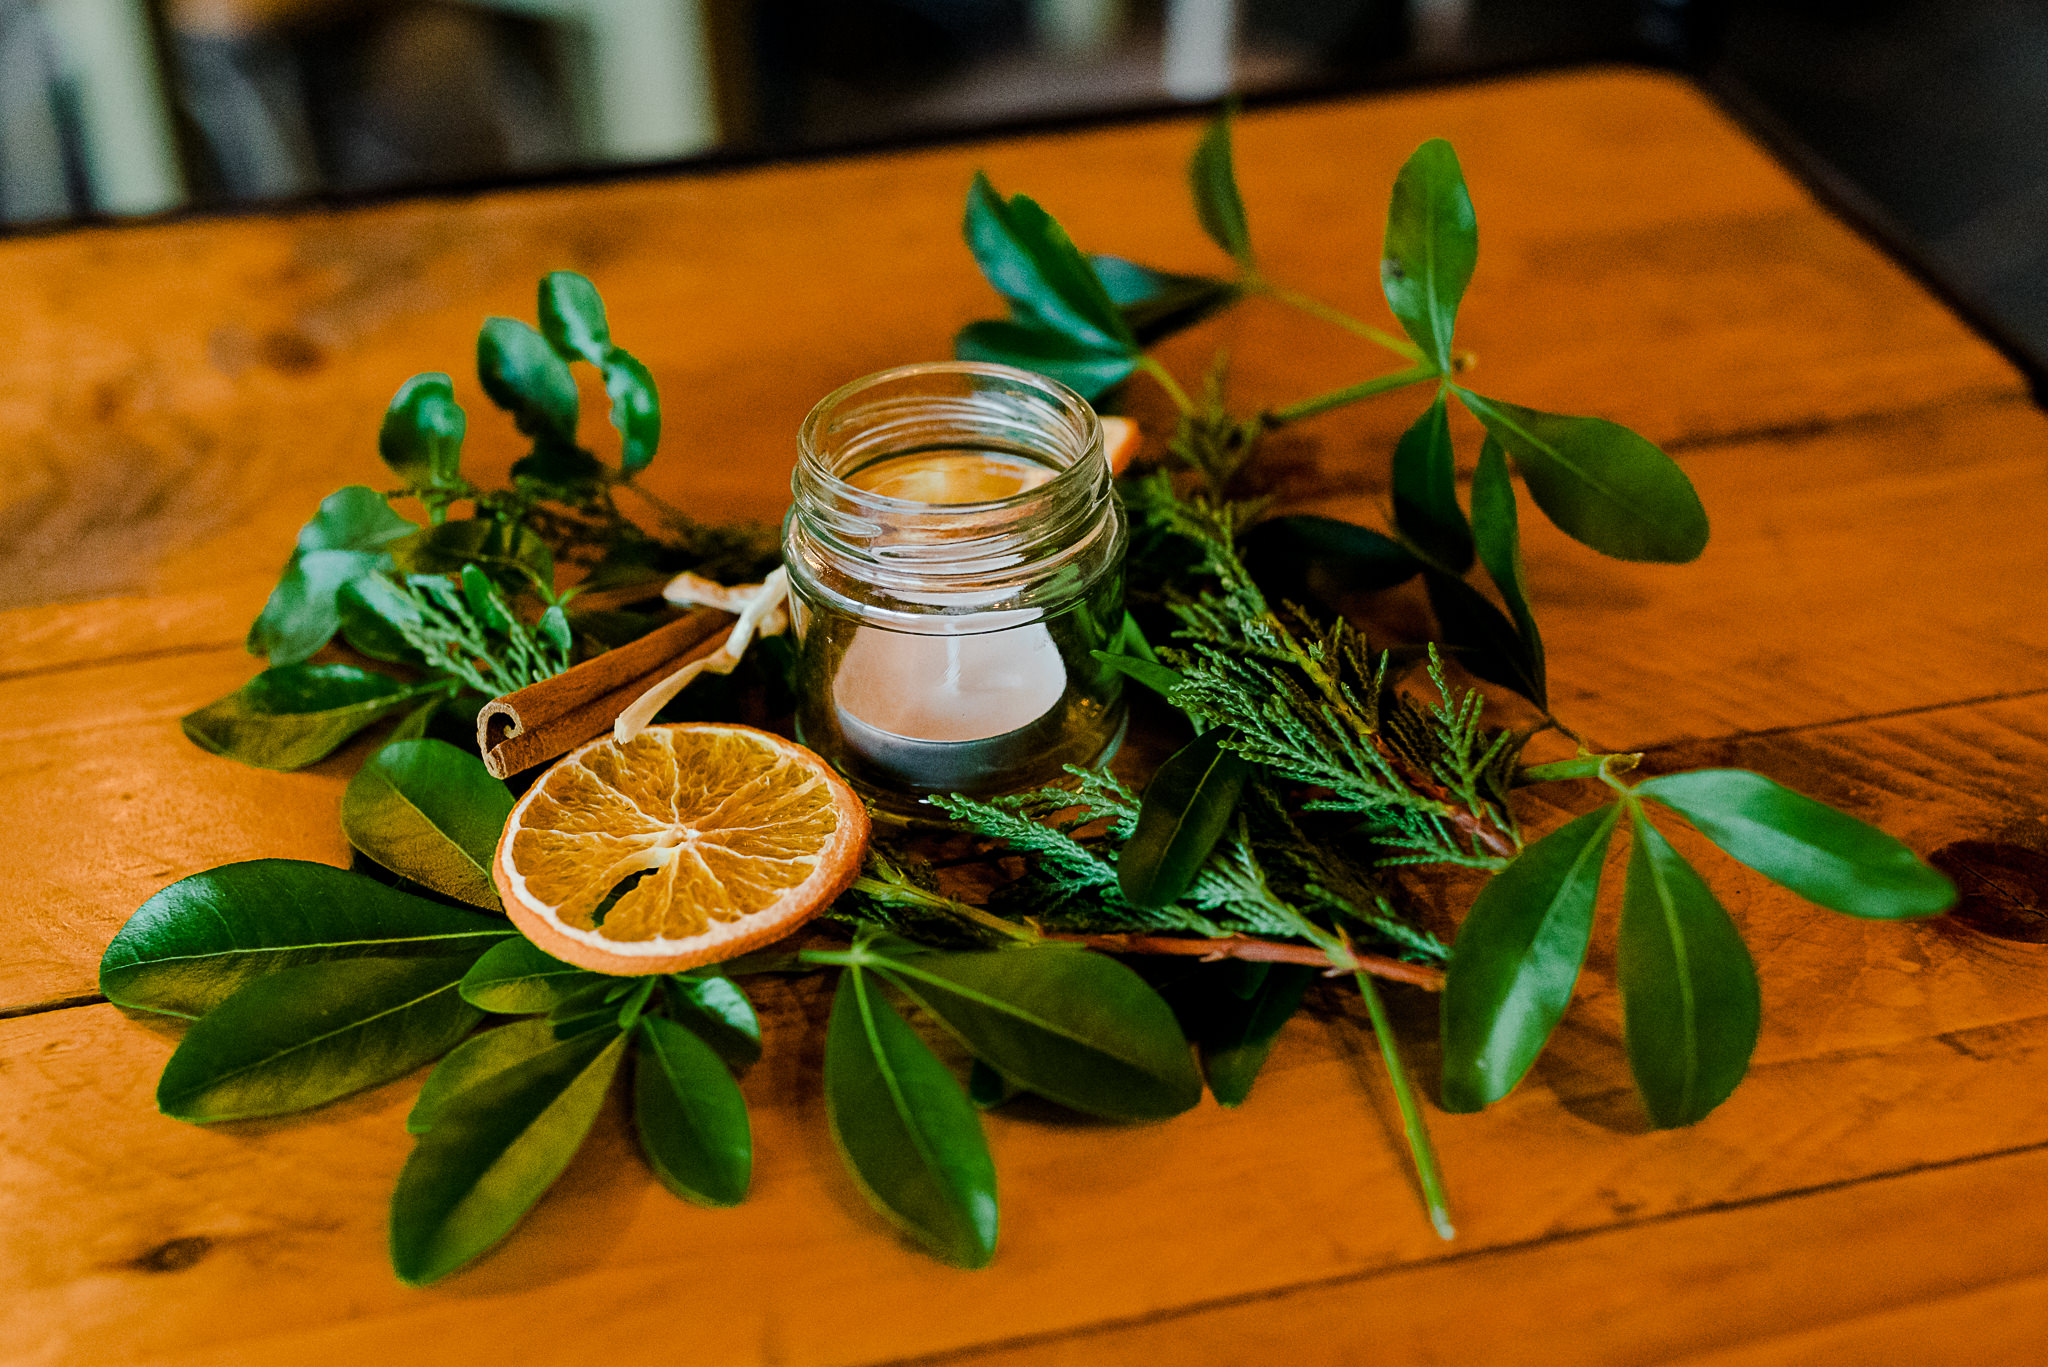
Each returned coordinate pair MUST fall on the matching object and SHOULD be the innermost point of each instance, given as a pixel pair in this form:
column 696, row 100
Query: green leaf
column 303, row 1036
column 1426, row 491
column 1217, row 202
column 988, row 1089
column 525, row 377
column 1161, row 679
column 636, row 409
column 572, row 318
column 1237, row 1032
column 1432, row 244
column 691, row 1116
column 559, row 470
column 1071, row 1025
column 425, row 809
column 494, row 1150
column 1088, row 371
column 421, row 438
column 507, row 550
column 366, row 631
column 344, row 541
column 1517, row 959
column 1482, row 637
column 1824, row 855
column 1599, row 482
column 1284, row 552
column 1185, row 810
column 518, row 978
column 1032, row 262
column 470, row 1062
column 1689, row 999
column 188, row 948
column 1497, row 527
column 908, row 1133
column 714, row 1008
column 1157, row 304
column 290, row 716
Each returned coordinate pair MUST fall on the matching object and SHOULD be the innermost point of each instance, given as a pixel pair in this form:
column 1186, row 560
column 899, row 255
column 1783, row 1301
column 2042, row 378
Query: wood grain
column 178, row 398
column 1887, row 1048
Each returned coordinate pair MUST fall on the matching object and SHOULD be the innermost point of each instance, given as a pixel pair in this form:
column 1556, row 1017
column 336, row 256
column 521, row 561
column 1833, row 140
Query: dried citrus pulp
column 737, row 837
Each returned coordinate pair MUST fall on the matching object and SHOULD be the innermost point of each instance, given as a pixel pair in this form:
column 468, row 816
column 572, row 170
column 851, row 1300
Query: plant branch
column 1316, row 308
column 1263, row 952
column 1337, row 398
column 1419, row 1146
column 1164, row 379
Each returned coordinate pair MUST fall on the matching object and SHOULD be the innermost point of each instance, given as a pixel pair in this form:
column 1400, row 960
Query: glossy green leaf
column 1517, row 959
column 908, row 1133
column 290, row 716
column 1218, row 205
column 715, row 1008
column 1088, row 371
column 303, row 1036
column 518, row 978
column 1290, row 556
column 572, row 318
column 494, row 1149
column 1157, row 304
column 480, row 1056
column 509, row 552
column 559, row 470
column 636, row 409
column 348, row 538
column 1431, row 246
column 527, row 378
column 1031, row 261
column 1237, row 1032
column 988, row 1089
column 1186, row 808
column 421, row 437
column 1824, row 855
column 1161, row 679
column 1426, row 491
column 1482, row 638
column 1064, row 1022
column 193, row 944
column 691, row 1117
column 1497, row 527
column 1599, row 482
column 1689, row 999
column 432, row 812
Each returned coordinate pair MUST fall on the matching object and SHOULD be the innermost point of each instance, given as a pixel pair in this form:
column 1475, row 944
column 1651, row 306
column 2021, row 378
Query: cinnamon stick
column 545, row 720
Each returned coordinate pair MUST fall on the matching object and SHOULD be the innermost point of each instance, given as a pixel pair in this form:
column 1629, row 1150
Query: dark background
column 1925, row 121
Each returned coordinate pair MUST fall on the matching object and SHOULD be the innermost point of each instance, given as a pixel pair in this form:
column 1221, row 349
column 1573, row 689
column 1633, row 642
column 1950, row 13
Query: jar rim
column 1063, row 397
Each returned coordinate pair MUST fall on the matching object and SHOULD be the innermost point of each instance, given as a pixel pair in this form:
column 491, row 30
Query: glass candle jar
column 955, row 552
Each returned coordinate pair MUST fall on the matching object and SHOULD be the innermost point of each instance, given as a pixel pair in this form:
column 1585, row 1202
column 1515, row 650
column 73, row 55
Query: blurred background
column 1925, row 117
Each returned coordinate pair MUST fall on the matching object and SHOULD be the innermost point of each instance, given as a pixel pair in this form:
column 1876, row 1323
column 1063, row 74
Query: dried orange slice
column 728, row 837
column 1120, row 441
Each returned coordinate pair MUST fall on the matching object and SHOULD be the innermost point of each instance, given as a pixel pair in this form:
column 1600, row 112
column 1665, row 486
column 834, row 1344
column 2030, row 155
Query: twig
column 1261, row 951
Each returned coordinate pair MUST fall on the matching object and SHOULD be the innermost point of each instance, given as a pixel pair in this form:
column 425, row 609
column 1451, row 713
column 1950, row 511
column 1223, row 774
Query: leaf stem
column 1261, row 951
column 1337, row 398
column 1316, row 308
column 1419, row 1147
column 1164, row 379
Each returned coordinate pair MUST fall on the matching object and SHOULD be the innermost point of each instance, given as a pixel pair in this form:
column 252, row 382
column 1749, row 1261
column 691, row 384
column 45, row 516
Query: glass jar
column 955, row 554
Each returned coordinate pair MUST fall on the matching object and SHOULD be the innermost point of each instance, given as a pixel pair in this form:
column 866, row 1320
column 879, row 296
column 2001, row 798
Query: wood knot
column 2002, row 889
column 175, row 1255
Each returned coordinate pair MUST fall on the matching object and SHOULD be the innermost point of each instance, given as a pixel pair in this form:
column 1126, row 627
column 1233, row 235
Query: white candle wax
column 949, row 710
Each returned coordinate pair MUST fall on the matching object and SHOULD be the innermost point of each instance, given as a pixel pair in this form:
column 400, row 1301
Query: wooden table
column 176, row 398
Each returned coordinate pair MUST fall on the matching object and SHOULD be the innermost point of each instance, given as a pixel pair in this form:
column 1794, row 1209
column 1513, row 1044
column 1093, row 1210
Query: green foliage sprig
column 1318, row 773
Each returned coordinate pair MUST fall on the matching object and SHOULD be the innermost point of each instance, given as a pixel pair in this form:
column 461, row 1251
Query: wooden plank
column 184, row 393
column 1886, row 1048
column 1867, row 570
column 1658, row 1292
